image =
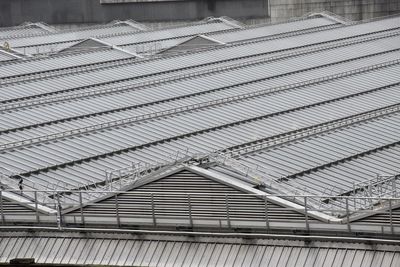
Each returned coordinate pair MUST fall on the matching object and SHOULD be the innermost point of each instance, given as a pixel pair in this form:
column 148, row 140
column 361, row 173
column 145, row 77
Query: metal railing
column 117, row 179
column 212, row 210
column 310, row 131
column 379, row 186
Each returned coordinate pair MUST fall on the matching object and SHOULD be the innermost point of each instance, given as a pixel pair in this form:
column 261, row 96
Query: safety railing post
column 190, row 210
column 117, row 210
column 36, row 207
column 81, row 208
column 306, row 213
column 348, row 214
column 59, row 214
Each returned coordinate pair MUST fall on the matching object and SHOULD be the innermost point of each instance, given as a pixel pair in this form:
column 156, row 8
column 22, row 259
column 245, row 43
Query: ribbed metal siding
column 13, row 208
column 217, row 252
column 383, row 216
column 210, row 204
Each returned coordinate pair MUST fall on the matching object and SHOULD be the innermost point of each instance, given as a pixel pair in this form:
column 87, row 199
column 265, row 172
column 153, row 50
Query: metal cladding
column 281, row 128
column 162, row 250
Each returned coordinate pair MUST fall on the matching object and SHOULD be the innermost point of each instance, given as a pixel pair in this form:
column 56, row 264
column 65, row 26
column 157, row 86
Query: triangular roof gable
column 196, row 42
column 92, row 43
column 85, row 44
column 196, row 181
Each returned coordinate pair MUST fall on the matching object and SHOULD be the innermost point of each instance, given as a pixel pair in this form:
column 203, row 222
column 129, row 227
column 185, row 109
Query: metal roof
column 170, row 33
column 150, row 67
column 136, row 44
column 34, row 44
column 62, row 61
column 7, row 56
column 71, row 148
column 160, row 250
column 229, row 36
column 258, row 31
column 286, row 133
column 253, row 71
column 26, row 29
column 86, row 57
column 116, row 34
column 191, row 196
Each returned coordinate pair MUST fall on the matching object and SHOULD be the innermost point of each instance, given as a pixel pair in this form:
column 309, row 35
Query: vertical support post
column 59, row 215
column 36, row 207
column 227, row 211
column 354, row 195
column 190, row 210
column 1, row 207
column 152, row 210
column 348, row 214
column 391, row 217
column 81, row 208
column 306, row 213
column 117, row 210
column 266, row 212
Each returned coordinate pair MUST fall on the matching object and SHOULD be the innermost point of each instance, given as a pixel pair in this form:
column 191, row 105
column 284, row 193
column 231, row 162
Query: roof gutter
column 209, row 234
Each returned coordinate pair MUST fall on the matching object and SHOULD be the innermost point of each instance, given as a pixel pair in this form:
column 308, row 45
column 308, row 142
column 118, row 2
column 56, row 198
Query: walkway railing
column 198, row 210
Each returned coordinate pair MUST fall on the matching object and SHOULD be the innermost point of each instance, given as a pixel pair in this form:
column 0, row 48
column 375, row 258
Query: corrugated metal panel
column 225, row 36
column 6, row 57
column 193, row 59
column 118, row 34
column 270, row 30
column 14, row 208
column 169, row 127
column 204, row 89
column 60, row 62
column 327, row 148
column 385, row 215
column 159, row 40
column 161, row 251
column 340, row 178
column 71, row 35
column 161, row 34
column 81, row 157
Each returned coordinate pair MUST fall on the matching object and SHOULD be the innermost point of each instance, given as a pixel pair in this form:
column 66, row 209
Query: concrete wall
column 352, row 9
column 14, row 12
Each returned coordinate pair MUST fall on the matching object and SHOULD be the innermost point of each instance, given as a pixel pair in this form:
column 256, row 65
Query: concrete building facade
column 15, row 12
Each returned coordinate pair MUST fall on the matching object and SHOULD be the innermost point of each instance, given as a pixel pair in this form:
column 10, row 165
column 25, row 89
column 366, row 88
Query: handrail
column 194, row 209
column 304, row 133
